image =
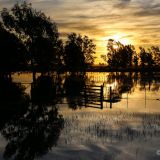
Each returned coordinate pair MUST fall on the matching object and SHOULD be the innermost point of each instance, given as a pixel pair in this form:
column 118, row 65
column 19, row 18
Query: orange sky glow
column 134, row 22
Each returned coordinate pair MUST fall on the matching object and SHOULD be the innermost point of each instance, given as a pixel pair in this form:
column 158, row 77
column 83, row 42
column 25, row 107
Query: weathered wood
column 93, row 96
column 110, row 96
column 101, row 97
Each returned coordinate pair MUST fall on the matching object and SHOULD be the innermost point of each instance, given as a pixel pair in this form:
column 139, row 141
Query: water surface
column 66, row 129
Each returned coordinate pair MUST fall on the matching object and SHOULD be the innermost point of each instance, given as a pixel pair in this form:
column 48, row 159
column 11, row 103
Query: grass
column 102, row 127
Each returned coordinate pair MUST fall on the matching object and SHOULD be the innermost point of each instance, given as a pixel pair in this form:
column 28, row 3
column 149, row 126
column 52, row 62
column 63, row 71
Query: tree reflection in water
column 13, row 101
column 125, row 81
column 74, row 86
column 43, row 91
column 149, row 81
column 36, row 131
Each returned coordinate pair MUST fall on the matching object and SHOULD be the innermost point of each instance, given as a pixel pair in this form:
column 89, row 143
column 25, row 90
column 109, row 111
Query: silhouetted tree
column 39, row 33
column 135, row 60
column 155, row 52
column 104, row 57
column 14, row 55
column 79, row 52
column 146, row 58
column 120, row 55
column 42, row 51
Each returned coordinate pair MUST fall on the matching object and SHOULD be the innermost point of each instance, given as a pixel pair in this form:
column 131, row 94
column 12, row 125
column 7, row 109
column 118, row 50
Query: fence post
column 110, row 97
column 101, row 96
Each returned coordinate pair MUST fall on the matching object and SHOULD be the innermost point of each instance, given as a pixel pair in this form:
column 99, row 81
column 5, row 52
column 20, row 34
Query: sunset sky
column 128, row 21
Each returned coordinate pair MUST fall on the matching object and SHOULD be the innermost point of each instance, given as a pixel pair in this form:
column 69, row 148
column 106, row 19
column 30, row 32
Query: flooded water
column 50, row 118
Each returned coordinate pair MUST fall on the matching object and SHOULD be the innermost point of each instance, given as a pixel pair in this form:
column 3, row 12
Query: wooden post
column 101, row 96
column 110, row 98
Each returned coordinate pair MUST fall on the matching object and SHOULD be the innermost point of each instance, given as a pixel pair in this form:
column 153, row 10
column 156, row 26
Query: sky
column 134, row 22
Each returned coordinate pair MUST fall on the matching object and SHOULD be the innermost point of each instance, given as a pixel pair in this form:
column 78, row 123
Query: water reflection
column 43, row 91
column 125, row 82
column 31, row 129
column 32, row 135
column 32, row 125
column 150, row 81
column 13, row 100
column 74, row 86
column 80, row 92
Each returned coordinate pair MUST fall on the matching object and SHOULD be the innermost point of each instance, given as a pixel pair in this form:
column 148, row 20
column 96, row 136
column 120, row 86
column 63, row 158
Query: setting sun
column 121, row 38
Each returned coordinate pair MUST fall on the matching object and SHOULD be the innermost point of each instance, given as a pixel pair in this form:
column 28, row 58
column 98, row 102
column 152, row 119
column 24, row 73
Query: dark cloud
column 125, row 1
column 152, row 10
column 122, row 3
column 95, row 0
column 100, row 16
column 147, row 13
column 82, row 27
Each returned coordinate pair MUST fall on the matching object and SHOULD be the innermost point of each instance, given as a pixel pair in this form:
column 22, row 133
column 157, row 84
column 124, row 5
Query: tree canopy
column 39, row 33
column 14, row 54
column 120, row 55
column 79, row 52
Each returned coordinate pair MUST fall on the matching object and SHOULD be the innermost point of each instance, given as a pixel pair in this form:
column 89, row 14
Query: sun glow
column 116, row 37
column 120, row 37
column 103, row 41
column 125, row 41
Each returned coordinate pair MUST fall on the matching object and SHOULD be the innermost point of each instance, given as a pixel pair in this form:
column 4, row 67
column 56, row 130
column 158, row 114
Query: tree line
column 29, row 40
column 126, row 56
